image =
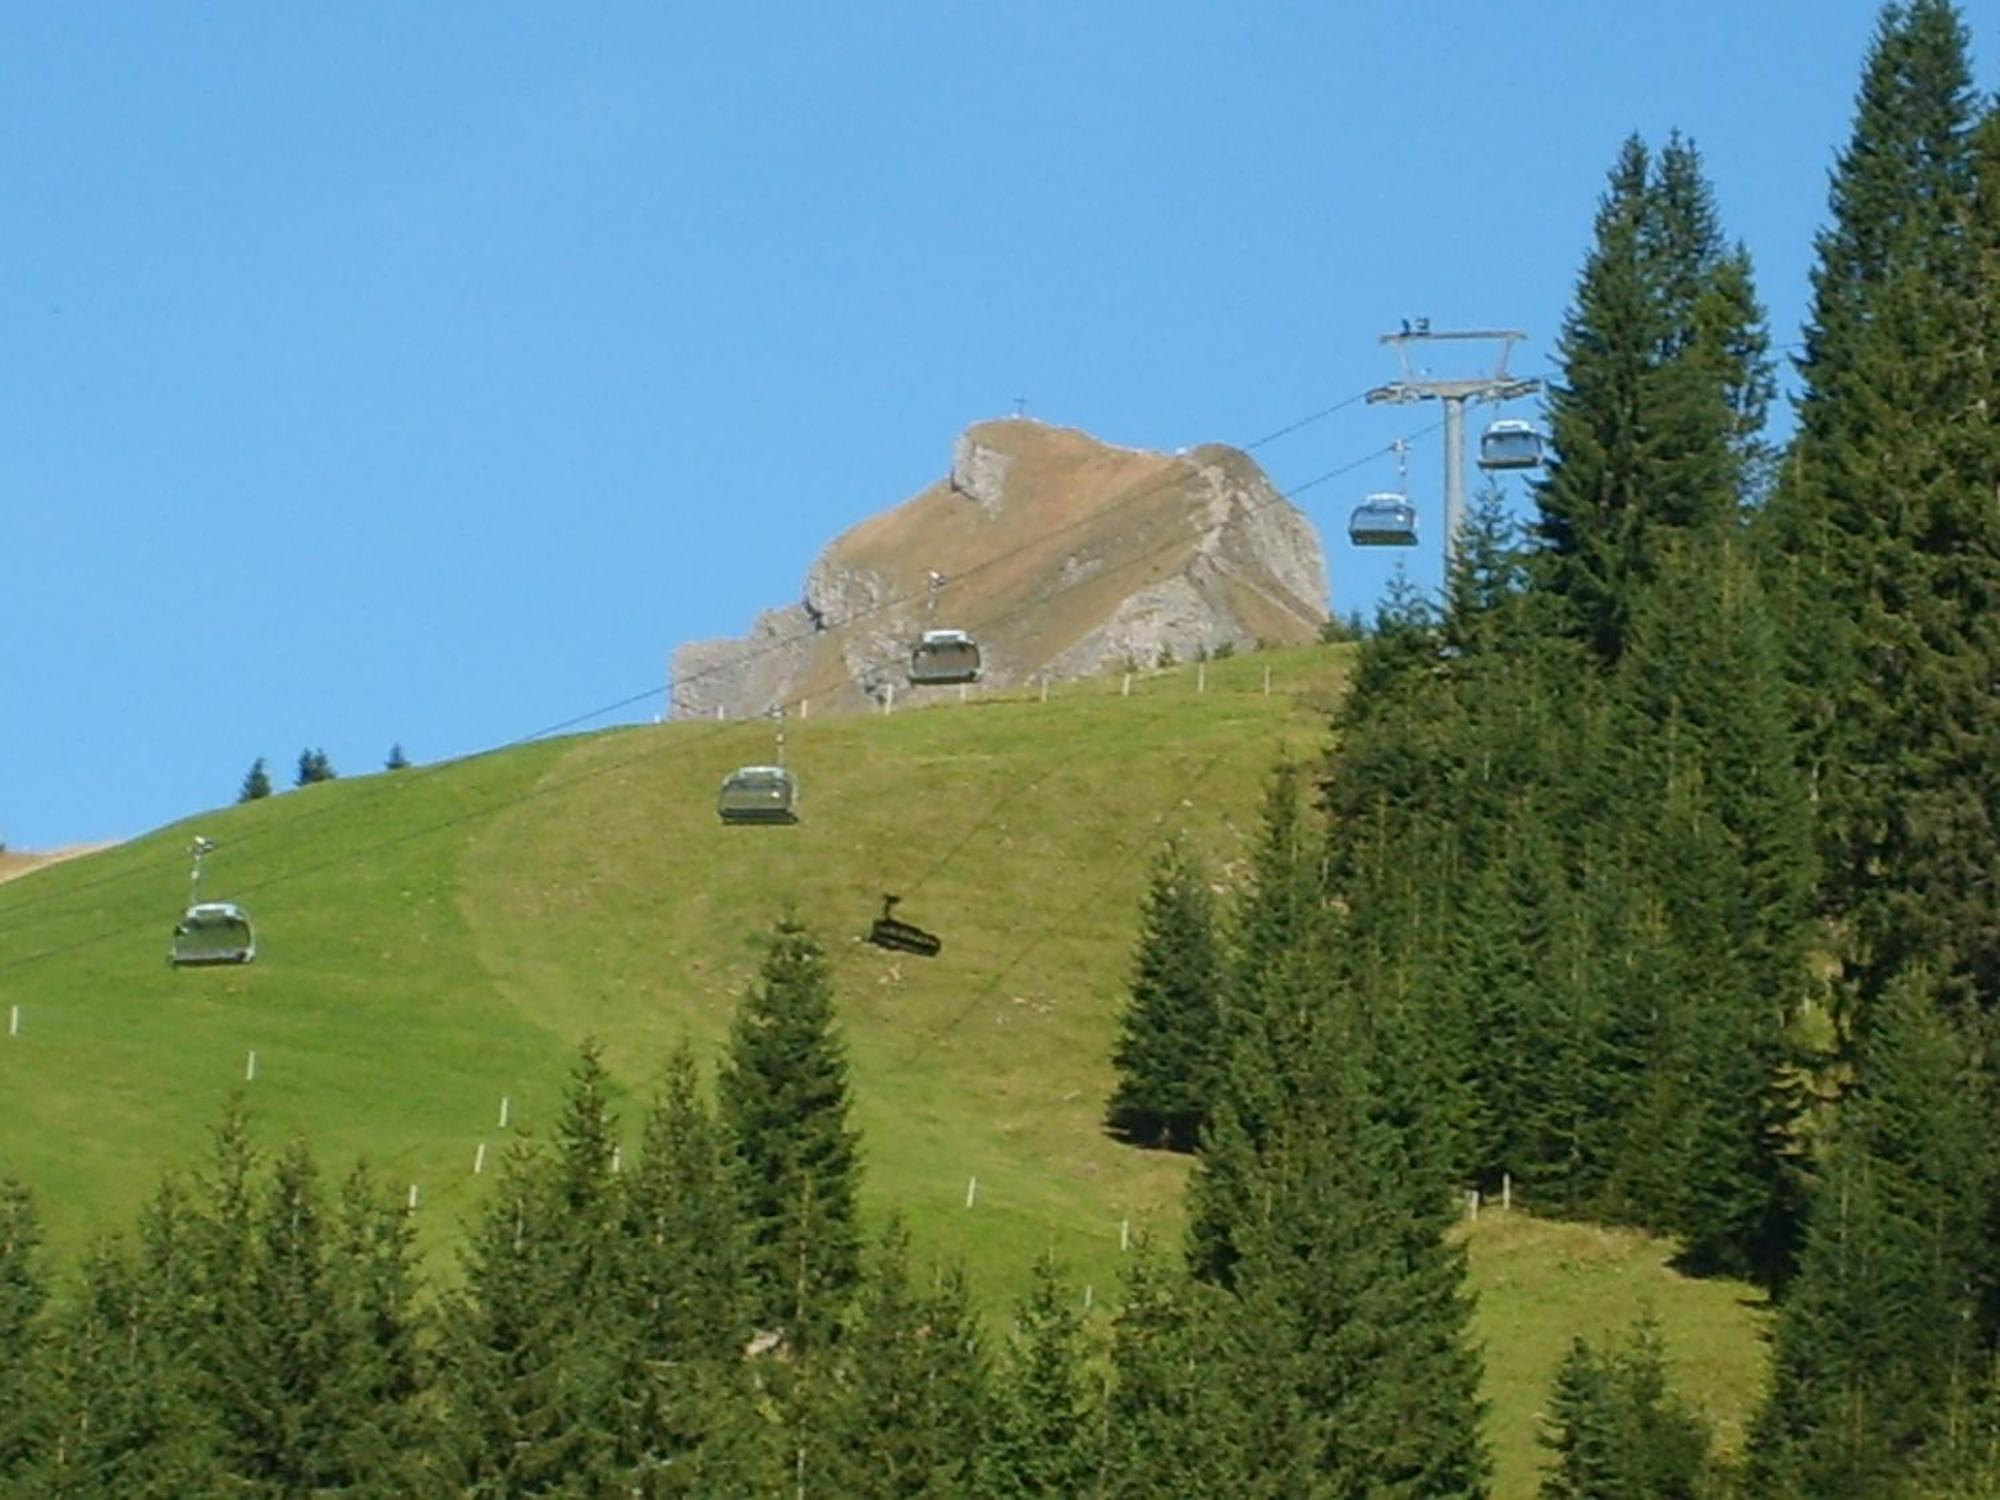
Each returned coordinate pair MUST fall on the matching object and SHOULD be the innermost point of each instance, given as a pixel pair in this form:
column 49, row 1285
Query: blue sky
column 424, row 374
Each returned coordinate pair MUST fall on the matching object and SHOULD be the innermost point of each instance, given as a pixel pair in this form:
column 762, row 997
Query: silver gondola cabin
column 943, row 657
column 759, row 794
column 1510, row 444
column 213, row 932
column 1385, row 519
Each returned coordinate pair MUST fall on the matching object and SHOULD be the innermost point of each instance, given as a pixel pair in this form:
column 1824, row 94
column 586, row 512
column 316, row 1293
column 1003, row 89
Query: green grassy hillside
column 436, row 940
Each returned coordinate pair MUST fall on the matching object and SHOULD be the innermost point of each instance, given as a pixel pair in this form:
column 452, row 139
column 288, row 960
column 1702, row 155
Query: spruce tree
column 784, row 1102
column 912, row 1395
column 313, row 767
column 276, row 1366
column 1170, row 1041
column 1881, row 544
column 22, row 1295
column 1879, row 1336
column 1350, row 1295
column 524, row 1364
column 384, row 1385
column 1582, row 1432
column 256, row 782
column 1655, row 418
column 1042, row 1436
column 689, row 1416
column 396, row 759
column 121, row 1417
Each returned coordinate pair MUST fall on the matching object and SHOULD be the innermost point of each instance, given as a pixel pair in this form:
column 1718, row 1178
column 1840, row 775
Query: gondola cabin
column 1510, row 444
column 943, row 657
column 213, row 932
column 1383, row 520
column 759, row 794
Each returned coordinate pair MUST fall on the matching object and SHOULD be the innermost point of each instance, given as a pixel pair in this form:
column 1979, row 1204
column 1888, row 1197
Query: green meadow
column 435, row 941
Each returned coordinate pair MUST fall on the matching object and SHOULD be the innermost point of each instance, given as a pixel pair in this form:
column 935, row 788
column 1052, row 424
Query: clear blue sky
column 425, row 373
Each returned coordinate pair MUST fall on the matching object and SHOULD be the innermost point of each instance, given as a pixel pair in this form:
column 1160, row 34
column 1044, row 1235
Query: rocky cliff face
column 1061, row 554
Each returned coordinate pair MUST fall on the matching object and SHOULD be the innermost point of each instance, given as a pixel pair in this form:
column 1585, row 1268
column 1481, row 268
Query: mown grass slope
column 435, row 940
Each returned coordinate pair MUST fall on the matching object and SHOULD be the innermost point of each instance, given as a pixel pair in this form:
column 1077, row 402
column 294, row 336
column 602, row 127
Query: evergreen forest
column 1650, row 877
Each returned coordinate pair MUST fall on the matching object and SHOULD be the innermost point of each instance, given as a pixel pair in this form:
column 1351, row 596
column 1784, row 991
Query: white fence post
column 971, row 1190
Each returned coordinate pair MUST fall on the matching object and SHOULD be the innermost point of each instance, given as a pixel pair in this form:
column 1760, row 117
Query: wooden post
column 1125, row 691
column 1506, row 1189
column 1201, row 677
column 617, row 1159
column 1045, row 687
column 1124, row 1234
column 889, row 698
column 1472, row 1204
column 805, row 708
column 250, row 1067
column 414, row 1197
column 504, row 1103
column 971, row 1190
column 13, row 1020
column 718, row 712
column 1267, row 682
column 479, row 1159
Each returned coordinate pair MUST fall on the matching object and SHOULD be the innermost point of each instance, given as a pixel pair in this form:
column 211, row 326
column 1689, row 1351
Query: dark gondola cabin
column 943, row 657
column 1383, row 520
column 759, row 794
column 1510, row 444
column 213, row 932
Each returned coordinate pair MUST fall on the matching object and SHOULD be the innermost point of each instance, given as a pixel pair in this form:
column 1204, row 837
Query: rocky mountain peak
column 1062, row 554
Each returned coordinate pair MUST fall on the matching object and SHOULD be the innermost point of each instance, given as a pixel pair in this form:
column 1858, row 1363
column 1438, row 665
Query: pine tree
column 22, row 1295
column 689, row 1418
column 313, row 767
column 1348, row 1294
column 1582, row 1432
column 256, row 782
column 1170, row 1043
column 1664, row 383
column 396, row 760
column 1721, row 827
column 1194, row 1405
column 1881, row 545
column 912, row 1396
column 121, row 1418
column 1042, row 1436
column 784, row 1102
column 1615, row 1429
column 1878, row 1337
column 275, row 1364
column 523, row 1358
column 384, row 1385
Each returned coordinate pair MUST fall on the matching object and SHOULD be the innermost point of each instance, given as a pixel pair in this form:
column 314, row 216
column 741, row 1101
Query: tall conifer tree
column 1170, row 1039
column 783, row 1091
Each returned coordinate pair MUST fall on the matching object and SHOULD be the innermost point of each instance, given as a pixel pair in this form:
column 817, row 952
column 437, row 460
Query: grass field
column 435, row 940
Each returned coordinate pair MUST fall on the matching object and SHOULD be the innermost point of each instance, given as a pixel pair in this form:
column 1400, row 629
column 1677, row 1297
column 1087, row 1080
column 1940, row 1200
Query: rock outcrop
column 1063, row 555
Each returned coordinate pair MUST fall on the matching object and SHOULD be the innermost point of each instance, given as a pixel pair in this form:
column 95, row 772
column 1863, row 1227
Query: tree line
column 703, row 1318
column 1670, row 837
